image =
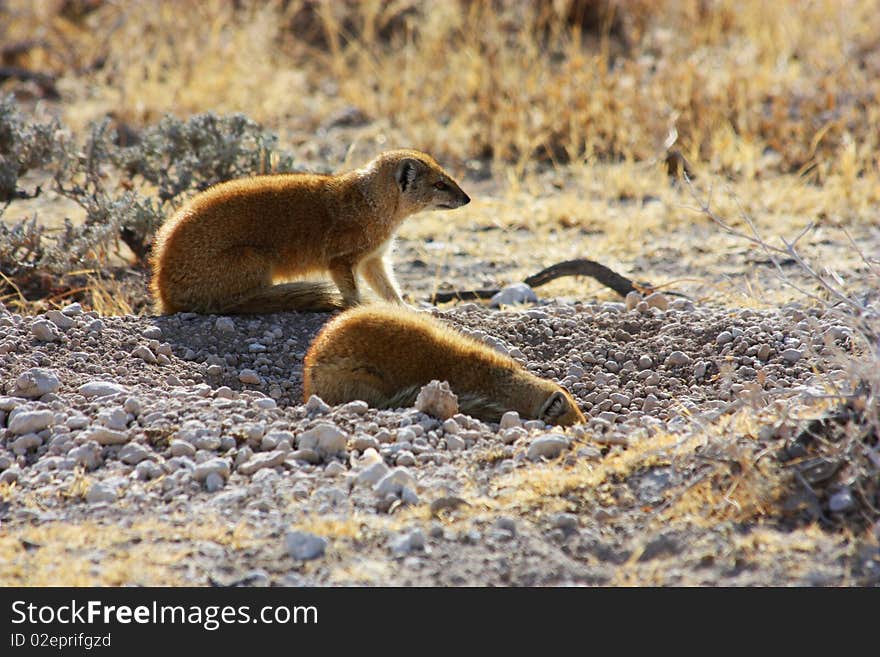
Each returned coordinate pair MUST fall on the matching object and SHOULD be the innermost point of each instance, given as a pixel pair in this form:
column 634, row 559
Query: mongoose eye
column 441, row 186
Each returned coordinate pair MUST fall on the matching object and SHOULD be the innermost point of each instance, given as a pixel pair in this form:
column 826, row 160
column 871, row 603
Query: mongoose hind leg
column 377, row 275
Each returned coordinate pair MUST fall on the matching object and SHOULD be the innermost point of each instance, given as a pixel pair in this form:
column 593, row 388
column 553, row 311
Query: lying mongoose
column 384, row 354
column 229, row 249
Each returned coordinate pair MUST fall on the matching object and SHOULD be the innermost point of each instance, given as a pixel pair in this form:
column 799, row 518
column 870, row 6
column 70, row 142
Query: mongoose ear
column 553, row 408
column 406, row 173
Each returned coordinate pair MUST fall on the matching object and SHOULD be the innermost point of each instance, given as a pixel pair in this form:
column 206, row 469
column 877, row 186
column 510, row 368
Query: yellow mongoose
column 224, row 250
column 383, row 355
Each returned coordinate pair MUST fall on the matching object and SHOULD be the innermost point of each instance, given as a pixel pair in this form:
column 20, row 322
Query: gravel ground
column 178, row 450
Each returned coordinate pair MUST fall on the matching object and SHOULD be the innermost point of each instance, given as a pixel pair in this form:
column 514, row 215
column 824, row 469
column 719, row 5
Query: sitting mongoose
column 229, row 249
column 384, row 354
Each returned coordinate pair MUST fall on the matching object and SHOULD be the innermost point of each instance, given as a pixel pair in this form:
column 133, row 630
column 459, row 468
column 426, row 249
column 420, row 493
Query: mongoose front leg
column 376, row 274
column 342, row 274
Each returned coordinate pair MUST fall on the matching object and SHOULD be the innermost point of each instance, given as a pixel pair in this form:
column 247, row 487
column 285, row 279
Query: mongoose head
column 560, row 409
column 422, row 183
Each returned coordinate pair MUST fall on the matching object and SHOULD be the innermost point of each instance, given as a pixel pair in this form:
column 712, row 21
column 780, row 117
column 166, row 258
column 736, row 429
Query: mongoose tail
column 303, row 296
column 383, row 355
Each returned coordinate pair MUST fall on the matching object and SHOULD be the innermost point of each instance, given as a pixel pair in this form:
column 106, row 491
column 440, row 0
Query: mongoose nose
column 465, row 199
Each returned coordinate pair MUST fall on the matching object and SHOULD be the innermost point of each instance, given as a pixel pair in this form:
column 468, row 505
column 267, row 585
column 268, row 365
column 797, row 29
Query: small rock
column 316, row 406
column 620, row 398
column 10, row 475
column 134, row 453
column 305, row 546
column 632, row 299
column 105, row 436
column 45, row 331
column 677, row 359
column 438, row 400
column 841, row 501
column 517, row 293
column 116, row 419
column 100, row 389
column 454, row 443
column 307, row 455
column 265, row 403
column 250, row 377
column 214, row 370
column 405, row 458
column 549, row 447
column 88, row 455
column 792, row 355
column 645, row 362
column 152, row 333
column 764, row 352
column 22, row 444
column 143, row 352
column 72, row 309
column 59, row 319
column 179, row 447
column 509, row 419
column 657, row 300
column 218, row 465
column 334, row 469
column 372, row 474
column 567, row 522
column 651, row 403
column 263, row 460
column 224, row 325
column 358, row 407
column 324, row 438
column 394, row 482
column 36, row 382
column 407, row 542
column 100, row 492
column 214, row 482
column 30, row 421
column 148, row 470
column 723, row 338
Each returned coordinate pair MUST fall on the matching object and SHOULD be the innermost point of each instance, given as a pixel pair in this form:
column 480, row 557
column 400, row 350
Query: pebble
column 218, row 465
column 144, row 353
column 36, row 382
column 316, row 406
column 101, row 389
column 549, row 447
column 305, row 546
column 518, row 293
column 645, row 362
column 88, row 455
column 334, row 469
column 100, row 492
column 509, row 420
column 181, row 448
column 30, row 421
column 45, row 331
column 22, row 444
column 134, row 453
column 633, row 298
column 224, row 325
column 657, row 300
column 792, row 355
column 325, row 439
column 394, row 482
column 841, row 501
column 372, row 474
column 723, row 338
column 250, row 377
column 214, row 482
column 59, row 319
column 567, row 522
column 408, row 542
column 438, row 400
column 454, row 443
column 72, row 309
column 677, row 359
column 262, row 460
column 104, row 436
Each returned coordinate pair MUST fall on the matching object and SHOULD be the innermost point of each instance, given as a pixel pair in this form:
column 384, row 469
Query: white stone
column 394, row 482
column 114, row 418
column 657, row 300
column 88, row 455
column 224, row 325
column 104, row 436
column 324, row 438
column 372, row 474
column 179, row 447
column 305, row 546
column 549, row 447
column 214, row 482
column 265, row 403
column 316, row 406
column 677, row 359
column 101, row 389
column 45, row 331
column 218, row 465
column 454, row 443
column 26, row 442
column 513, row 294
column 632, row 299
column 509, row 419
column 792, row 355
column 144, row 353
column 134, row 453
column 36, row 382
column 438, row 400
column 72, row 309
column 100, row 492
column 59, row 319
column 30, row 421
column 263, row 460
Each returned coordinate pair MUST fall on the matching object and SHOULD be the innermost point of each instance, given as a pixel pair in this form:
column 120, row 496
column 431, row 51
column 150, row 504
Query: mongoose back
column 234, row 247
column 383, row 355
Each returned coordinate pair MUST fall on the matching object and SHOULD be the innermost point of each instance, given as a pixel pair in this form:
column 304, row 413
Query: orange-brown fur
column 233, row 247
column 383, row 354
